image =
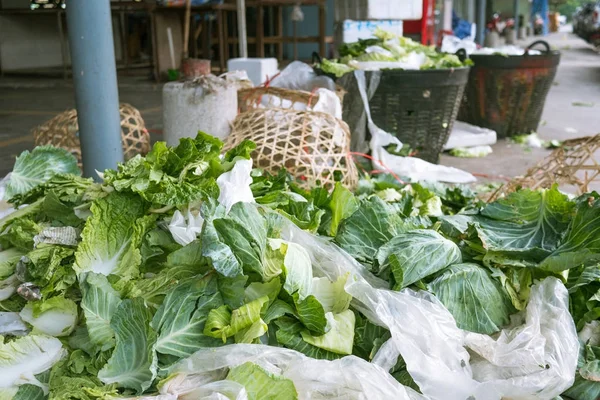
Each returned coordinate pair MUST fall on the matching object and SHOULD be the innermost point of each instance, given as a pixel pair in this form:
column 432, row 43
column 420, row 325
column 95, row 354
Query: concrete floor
column 577, row 81
column 26, row 102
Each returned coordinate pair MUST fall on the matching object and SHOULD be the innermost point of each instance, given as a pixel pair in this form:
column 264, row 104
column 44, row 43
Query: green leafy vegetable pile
column 101, row 299
column 392, row 51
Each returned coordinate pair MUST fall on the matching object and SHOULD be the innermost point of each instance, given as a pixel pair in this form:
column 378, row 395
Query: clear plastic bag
column 425, row 334
column 347, row 378
column 535, row 359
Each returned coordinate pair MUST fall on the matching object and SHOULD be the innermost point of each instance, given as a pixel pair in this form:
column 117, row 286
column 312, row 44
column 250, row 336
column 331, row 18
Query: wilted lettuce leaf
column 33, row 392
column 223, row 323
column 20, row 234
column 527, row 224
column 342, row 204
column 289, row 335
column 311, row 313
column 37, row 167
column 340, row 337
column 99, row 303
column 25, row 357
column 181, row 318
column 587, row 379
column 154, row 287
column 55, row 316
column 581, row 244
column 415, row 255
column 332, row 295
column 171, row 176
column 49, row 267
column 8, row 261
column 133, row 363
column 75, row 378
column 369, row 228
column 296, row 266
column 476, row 300
column 256, row 290
column 112, row 236
column 261, row 384
column 335, row 68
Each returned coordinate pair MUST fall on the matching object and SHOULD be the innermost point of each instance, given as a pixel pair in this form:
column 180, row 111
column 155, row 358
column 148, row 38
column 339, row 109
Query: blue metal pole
column 95, row 78
column 481, row 21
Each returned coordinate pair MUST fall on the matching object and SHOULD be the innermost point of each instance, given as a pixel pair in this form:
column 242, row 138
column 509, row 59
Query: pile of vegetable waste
column 388, row 51
column 189, row 275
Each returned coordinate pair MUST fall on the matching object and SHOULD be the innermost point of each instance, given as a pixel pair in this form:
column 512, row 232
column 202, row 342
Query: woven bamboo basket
column 63, row 131
column 574, row 167
column 312, row 146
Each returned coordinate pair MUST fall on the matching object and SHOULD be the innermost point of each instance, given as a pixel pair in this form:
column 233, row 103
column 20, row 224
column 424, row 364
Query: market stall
column 305, row 244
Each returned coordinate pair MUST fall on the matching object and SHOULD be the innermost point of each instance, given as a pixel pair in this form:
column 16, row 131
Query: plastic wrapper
column 185, row 228
column 537, row 357
column 234, row 185
column 301, row 76
column 12, row 324
column 347, row 378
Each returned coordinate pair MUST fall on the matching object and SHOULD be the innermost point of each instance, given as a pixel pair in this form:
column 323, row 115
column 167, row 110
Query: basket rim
column 550, row 54
column 292, row 111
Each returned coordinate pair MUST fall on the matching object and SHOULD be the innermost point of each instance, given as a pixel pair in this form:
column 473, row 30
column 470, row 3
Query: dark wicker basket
column 419, row 107
column 507, row 93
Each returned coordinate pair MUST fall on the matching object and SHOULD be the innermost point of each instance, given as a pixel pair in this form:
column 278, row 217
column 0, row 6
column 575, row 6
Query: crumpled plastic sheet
column 12, row 324
column 536, row 356
column 234, row 185
column 347, row 378
column 434, row 348
column 301, row 76
column 185, row 228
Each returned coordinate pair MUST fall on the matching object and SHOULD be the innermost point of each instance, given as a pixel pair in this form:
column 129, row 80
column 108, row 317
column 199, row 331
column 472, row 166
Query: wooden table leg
column 124, row 46
column 63, row 44
column 225, row 35
column 154, row 45
column 322, row 30
column 260, row 30
column 280, row 33
column 205, row 35
column 222, row 43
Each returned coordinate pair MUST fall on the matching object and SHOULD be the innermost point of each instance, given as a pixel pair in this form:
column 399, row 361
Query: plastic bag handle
column 316, row 58
column 542, row 42
column 462, row 55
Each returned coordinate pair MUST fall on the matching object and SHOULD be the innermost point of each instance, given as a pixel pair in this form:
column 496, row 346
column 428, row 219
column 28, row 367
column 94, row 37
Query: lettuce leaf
column 37, row 167
column 23, row 358
column 415, row 255
column 112, row 236
column 133, row 364
column 181, row 318
column 99, row 304
column 476, row 300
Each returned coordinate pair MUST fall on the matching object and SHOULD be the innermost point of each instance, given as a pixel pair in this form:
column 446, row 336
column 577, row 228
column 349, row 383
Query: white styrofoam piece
column 258, row 69
column 378, row 9
column 467, row 135
column 353, row 31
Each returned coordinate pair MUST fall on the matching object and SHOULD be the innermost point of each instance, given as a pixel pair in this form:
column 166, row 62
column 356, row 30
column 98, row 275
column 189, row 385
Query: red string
column 498, row 177
column 352, row 153
column 265, row 85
